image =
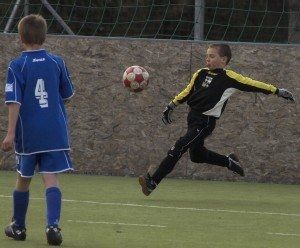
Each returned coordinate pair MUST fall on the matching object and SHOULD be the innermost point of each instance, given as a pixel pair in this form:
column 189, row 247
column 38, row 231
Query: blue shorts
column 46, row 162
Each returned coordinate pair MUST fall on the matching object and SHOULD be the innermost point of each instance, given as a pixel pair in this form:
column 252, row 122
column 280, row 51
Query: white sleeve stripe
column 66, row 98
column 54, row 61
column 15, row 82
column 24, row 63
column 13, row 102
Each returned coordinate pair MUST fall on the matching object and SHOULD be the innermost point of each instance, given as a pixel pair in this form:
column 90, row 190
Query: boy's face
column 214, row 60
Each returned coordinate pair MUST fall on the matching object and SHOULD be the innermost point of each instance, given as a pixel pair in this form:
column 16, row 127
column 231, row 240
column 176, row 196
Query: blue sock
column 20, row 202
column 53, row 200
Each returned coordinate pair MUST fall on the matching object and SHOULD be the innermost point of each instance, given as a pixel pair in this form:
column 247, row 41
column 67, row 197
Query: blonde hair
column 32, row 29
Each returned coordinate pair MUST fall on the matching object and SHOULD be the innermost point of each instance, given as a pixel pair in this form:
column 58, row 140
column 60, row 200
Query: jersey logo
column 38, row 60
column 212, row 73
column 207, row 82
column 9, row 88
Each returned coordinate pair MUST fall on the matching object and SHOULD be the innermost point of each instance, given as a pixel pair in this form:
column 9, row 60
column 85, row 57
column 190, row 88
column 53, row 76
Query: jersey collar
column 33, row 51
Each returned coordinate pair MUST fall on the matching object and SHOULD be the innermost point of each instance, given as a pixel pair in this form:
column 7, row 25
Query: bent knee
column 197, row 159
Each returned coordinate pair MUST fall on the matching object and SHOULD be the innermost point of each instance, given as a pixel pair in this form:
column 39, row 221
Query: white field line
column 284, row 234
column 170, row 207
column 115, row 223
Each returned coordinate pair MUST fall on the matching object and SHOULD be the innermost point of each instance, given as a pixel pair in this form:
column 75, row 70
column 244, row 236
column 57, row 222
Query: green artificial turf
column 111, row 212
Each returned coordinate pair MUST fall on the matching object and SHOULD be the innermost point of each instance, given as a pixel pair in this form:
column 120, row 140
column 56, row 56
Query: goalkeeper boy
column 207, row 95
column 38, row 84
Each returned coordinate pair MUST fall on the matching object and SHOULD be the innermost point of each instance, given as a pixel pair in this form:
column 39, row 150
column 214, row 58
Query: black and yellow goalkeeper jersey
column 209, row 90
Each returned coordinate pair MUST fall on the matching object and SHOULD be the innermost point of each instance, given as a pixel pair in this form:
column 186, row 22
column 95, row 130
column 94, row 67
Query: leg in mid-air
column 195, row 133
column 200, row 154
column 193, row 140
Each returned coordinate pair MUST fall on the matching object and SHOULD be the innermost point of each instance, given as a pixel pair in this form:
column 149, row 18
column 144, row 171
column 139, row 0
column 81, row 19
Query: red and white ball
column 135, row 78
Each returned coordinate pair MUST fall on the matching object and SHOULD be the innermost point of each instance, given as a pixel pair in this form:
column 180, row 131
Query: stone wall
column 115, row 132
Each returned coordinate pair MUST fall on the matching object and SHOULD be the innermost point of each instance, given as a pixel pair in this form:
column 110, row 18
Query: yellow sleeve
column 183, row 95
column 249, row 84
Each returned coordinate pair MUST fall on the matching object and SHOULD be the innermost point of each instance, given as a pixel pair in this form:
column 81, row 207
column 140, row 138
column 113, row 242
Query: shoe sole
column 242, row 174
column 54, row 241
column 142, row 182
column 13, row 237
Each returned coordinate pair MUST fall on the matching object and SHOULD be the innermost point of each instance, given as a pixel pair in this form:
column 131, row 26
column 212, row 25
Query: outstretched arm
column 248, row 84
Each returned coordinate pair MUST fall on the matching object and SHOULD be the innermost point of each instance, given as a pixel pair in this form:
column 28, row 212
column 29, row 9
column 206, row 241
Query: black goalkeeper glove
column 166, row 118
column 285, row 94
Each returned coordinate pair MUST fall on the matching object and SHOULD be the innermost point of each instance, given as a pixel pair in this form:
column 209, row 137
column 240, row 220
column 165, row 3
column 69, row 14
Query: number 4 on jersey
column 41, row 93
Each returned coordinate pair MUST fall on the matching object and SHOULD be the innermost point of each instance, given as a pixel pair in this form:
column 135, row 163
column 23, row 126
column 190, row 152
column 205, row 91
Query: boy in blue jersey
column 207, row 95
column 38, row 84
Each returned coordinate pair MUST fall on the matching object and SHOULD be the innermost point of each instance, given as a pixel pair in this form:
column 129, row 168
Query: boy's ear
column 21, row 39
column 224, row 60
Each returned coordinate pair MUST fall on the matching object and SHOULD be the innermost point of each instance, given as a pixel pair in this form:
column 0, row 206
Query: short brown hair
column 224, row 50
column 32, row 29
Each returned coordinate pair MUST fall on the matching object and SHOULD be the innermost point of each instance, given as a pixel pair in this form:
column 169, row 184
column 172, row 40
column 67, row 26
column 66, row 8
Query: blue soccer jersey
column 39, row 82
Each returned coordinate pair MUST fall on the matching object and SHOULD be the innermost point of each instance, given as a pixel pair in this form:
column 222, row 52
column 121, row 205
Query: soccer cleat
column 53, row 235
column 147, row 184
column 15, row 232
column 234, row 165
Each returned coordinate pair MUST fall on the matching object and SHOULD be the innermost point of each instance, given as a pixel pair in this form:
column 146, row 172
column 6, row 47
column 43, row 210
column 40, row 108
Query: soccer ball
column 135, row 78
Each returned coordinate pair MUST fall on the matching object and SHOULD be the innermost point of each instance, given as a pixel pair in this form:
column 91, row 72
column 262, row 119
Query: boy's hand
column 285, row 94
column 166, row 118
column 7, row 143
